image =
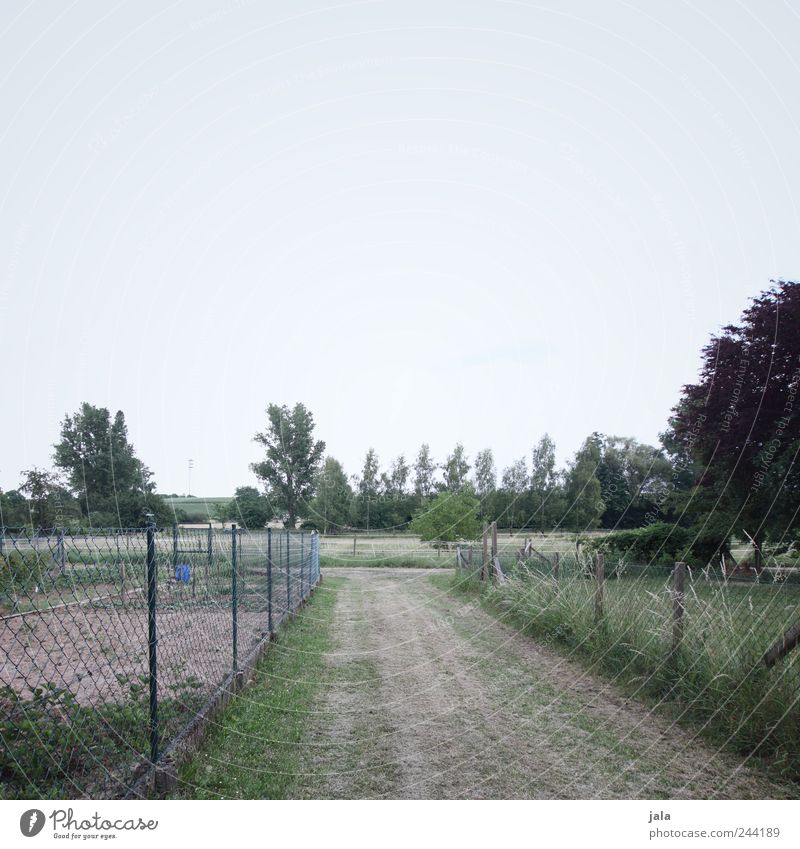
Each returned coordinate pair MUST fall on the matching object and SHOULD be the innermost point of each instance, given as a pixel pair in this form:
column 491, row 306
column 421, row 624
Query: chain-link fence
column 114, row 645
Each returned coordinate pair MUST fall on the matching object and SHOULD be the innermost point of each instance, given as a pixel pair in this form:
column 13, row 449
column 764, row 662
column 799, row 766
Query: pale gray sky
column 429, row 221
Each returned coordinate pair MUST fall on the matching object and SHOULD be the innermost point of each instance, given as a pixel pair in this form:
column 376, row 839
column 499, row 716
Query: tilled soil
column 427, row 696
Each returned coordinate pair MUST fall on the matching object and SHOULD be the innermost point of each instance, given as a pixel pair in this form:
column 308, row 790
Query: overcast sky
column 429, row 221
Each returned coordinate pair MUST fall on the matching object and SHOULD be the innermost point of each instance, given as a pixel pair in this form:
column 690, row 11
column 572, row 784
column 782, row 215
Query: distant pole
column 556, row 567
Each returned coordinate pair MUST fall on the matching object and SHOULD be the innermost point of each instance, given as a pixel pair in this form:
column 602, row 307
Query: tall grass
column 717, row 680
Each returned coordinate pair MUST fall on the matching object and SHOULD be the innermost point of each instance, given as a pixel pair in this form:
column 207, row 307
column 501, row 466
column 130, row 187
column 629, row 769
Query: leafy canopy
column 292, row 458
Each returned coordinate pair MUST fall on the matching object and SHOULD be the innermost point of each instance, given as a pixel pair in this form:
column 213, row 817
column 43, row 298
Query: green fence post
column 288, row 576
column 152, row 640
column 302, row 558
column 235, row 601
column 269, row 581
column 174, row 546
column 209, row 557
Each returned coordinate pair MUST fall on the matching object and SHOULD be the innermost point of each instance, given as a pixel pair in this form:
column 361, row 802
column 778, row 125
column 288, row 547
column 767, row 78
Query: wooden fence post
column 556, row 565
column 678, row 608
column 600, row 577
column 494, row 548
column 789, row 641
column 485, row 565
column 354, row 546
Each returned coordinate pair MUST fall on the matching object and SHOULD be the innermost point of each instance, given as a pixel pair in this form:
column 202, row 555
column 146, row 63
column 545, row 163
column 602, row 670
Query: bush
column 659, row 543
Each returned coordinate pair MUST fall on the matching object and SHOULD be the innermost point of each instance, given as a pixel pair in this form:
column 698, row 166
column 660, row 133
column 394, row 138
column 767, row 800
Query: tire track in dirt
column 427, row 696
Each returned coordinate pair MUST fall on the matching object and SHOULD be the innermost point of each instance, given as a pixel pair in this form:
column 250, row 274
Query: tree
column 112, row 485
column 249, row 508
column 456, row 468
column 38, row 486
column 398, row 476
column 515, row 484
column 485, row 475
column 330, row 508
column 366, row 512
column 14, row 510
column 543, row 483
column 584, row 502
column 448, row 517
column 634, row 482
column 292, row 458
column 740, row 423
column 424, row 472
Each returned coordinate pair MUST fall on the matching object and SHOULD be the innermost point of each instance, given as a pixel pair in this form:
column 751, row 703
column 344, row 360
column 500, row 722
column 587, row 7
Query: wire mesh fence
column 112, row 644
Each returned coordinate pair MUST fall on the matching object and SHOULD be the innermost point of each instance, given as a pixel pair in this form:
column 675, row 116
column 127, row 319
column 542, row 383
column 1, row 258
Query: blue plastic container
column 183, row 572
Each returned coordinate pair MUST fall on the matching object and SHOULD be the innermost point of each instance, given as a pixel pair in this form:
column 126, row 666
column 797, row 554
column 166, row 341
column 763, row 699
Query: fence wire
column 101, row 670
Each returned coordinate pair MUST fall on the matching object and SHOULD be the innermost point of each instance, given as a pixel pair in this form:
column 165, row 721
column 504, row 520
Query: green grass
column 253, row 750
column 717, row 682
column 397, row 561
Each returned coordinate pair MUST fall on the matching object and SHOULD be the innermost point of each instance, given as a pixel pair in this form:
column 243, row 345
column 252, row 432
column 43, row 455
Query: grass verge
column 254, row 748
column 716, row 685
column 399, row 561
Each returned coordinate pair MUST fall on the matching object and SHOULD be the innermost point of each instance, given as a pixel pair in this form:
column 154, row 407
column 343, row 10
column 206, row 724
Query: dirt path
column 427, row 696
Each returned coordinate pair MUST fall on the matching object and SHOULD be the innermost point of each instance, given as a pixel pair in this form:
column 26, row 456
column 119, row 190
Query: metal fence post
column 302, row 557
column 269, row 582
column 2, row 541
column 152, row 639
column 288, row 576
column 174, row 546
column 209, row 557
column 62, row 564
column 235, row 601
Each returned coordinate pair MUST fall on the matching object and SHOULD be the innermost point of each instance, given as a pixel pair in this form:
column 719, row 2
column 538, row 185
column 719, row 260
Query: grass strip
column 254, row 749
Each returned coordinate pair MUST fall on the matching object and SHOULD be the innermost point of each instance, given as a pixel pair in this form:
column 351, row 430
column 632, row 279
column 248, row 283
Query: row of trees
column 97, row 480
column 728, row 463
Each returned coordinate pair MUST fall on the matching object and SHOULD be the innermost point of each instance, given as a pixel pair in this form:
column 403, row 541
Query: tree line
column 727, row 464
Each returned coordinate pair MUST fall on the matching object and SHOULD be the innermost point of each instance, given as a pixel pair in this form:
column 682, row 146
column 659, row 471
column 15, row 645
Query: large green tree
column 292, row 458
column 329, row 510
column 456, row 468
column 448, row 517
column 634, row 482
column 112, row 485
column 582, row 492
column 424, row 472
column 249, row 508
column 545, row 501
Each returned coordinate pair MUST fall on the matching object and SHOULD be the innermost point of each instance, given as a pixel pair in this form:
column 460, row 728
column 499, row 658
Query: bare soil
column 427, row 696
